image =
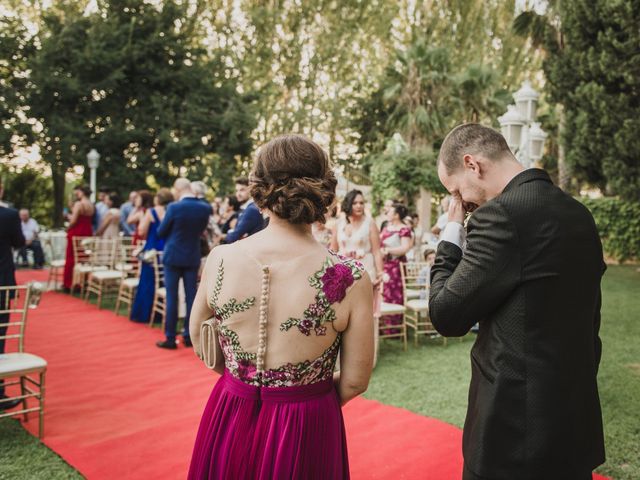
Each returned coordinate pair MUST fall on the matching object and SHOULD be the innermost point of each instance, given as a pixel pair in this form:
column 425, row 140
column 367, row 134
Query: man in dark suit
column 250, row 220
column 182, row 227
column 530, row 273
column 10, row 237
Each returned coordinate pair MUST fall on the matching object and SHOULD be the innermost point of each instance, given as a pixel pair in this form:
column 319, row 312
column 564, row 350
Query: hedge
column 618, row 222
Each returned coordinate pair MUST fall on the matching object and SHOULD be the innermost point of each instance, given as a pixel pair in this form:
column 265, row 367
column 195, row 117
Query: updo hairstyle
column 293, row 179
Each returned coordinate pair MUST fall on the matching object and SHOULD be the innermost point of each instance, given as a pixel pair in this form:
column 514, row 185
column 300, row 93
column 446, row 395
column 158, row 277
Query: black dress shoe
column 169, row 345
column 187, row 342
column 8, row 405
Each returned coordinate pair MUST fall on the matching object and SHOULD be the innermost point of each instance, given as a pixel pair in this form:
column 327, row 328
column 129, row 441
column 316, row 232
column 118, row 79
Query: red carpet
column 118, row 407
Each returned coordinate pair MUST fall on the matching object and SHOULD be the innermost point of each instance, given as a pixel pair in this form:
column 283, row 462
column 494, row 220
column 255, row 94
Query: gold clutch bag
column 209, row 346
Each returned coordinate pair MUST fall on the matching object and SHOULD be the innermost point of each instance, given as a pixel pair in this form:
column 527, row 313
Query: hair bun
column 292, row 179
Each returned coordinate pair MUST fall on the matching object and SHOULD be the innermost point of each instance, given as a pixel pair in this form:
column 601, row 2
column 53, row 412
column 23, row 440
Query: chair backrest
column 126, row 259
column 413, row 277
column 82, row 249
column 104, row 252
column 158, row 270
column 14, row 304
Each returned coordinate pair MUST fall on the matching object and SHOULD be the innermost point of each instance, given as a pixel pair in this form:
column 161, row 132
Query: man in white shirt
column 443, row 219
column 30, row 231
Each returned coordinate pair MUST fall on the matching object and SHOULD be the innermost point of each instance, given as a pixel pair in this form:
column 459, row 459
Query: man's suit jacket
column 10, row 237
column 249, row 222
column 182, row 226
column 530, row 275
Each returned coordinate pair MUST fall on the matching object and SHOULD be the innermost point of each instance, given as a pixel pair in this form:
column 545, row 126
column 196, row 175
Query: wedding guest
column 80, row 225
column 148, row 230
column 424, row 277
column 110, row 225
column 275, row 412
column 231, row 214
column 250, row 220
column 30, row 229
column 10, row 237
column 388, row 203
column 356, row 236
column 101, row 207
column 443, row 219
column 199, row 189
column 396, row 241
column 182, row 226
column 125, row 210
column 531, row 273
column 143, row 202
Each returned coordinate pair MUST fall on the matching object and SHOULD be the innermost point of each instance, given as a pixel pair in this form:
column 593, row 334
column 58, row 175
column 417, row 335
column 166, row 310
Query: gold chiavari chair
column 160, row 292
column 56, row 267
column 129, row 264
column 387, row 331
column 104, row 281
column 20, row 368
column 417, row 314
column 83, row 250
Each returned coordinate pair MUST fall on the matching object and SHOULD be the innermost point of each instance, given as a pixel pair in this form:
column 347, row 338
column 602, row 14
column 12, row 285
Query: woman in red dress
column 80, row 225
column 143, row 202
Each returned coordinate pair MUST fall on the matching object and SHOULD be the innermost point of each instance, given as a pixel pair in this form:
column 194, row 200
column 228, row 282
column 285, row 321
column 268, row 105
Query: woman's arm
column 75, row 213
column 374, row 239
column 135, row 216
column 201, row 311
column 233, row 223
column 108, row 218
column 334, row 240
column 143, row 226
column 357, row 349
column 406, row 244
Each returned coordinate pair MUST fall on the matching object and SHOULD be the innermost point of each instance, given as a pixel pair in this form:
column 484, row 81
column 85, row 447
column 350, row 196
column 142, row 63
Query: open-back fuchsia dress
column 275, row 413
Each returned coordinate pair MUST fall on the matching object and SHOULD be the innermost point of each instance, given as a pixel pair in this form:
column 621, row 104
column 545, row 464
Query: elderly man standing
column 182, row 226
column 30, row 229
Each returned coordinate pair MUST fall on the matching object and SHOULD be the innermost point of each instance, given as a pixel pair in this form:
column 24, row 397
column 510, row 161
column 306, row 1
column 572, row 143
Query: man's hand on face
column 457, row 211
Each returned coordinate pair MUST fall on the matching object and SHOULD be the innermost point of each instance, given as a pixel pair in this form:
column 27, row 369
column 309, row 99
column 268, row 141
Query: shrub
column 618, row 222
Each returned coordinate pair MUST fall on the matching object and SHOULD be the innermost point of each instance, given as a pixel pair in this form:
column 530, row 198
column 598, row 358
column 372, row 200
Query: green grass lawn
column 433, row 380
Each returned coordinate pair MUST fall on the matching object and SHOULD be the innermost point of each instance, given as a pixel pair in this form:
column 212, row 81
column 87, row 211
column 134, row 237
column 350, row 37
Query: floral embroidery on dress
column 237, row 361
column 331, row 283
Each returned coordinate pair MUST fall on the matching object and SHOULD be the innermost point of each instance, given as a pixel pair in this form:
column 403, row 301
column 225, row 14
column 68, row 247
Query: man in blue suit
column 250, row 220
column 182, row 226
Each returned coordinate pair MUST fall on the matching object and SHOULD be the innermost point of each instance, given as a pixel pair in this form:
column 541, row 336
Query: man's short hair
column 242, row 181
column 474, row 139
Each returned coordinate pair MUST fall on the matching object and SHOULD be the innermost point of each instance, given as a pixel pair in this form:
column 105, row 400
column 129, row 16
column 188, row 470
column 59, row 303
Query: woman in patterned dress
column 396, row 239
column 284, row 307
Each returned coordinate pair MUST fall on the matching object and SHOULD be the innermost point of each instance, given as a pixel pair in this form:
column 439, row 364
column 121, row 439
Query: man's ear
column 470, row 162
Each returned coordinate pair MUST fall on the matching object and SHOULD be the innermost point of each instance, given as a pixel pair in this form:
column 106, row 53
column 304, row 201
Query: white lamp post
column 93, row 158
column 523, row 135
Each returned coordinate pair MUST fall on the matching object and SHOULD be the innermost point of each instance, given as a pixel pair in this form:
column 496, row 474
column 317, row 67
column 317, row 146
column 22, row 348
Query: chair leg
column 41, row 412
column 153, row 311
column 23, row 391
column 100, row 287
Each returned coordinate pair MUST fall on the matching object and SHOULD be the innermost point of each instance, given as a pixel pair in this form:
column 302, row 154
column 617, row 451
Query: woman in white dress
column 357, row 236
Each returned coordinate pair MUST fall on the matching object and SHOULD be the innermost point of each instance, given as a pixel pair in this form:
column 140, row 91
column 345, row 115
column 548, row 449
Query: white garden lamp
column 524, row 136
column 537, row 136
column 93, row 159
column 511, row 125
column 527, row 101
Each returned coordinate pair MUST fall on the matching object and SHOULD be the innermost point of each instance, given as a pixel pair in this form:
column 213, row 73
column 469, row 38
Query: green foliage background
column 618, row 222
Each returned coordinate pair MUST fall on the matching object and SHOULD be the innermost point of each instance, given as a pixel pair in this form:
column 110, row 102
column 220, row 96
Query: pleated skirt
column 249, row 432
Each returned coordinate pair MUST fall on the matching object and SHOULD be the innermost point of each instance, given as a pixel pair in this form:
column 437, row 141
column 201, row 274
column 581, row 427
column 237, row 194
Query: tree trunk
column 564, row 173
column 59, row 183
